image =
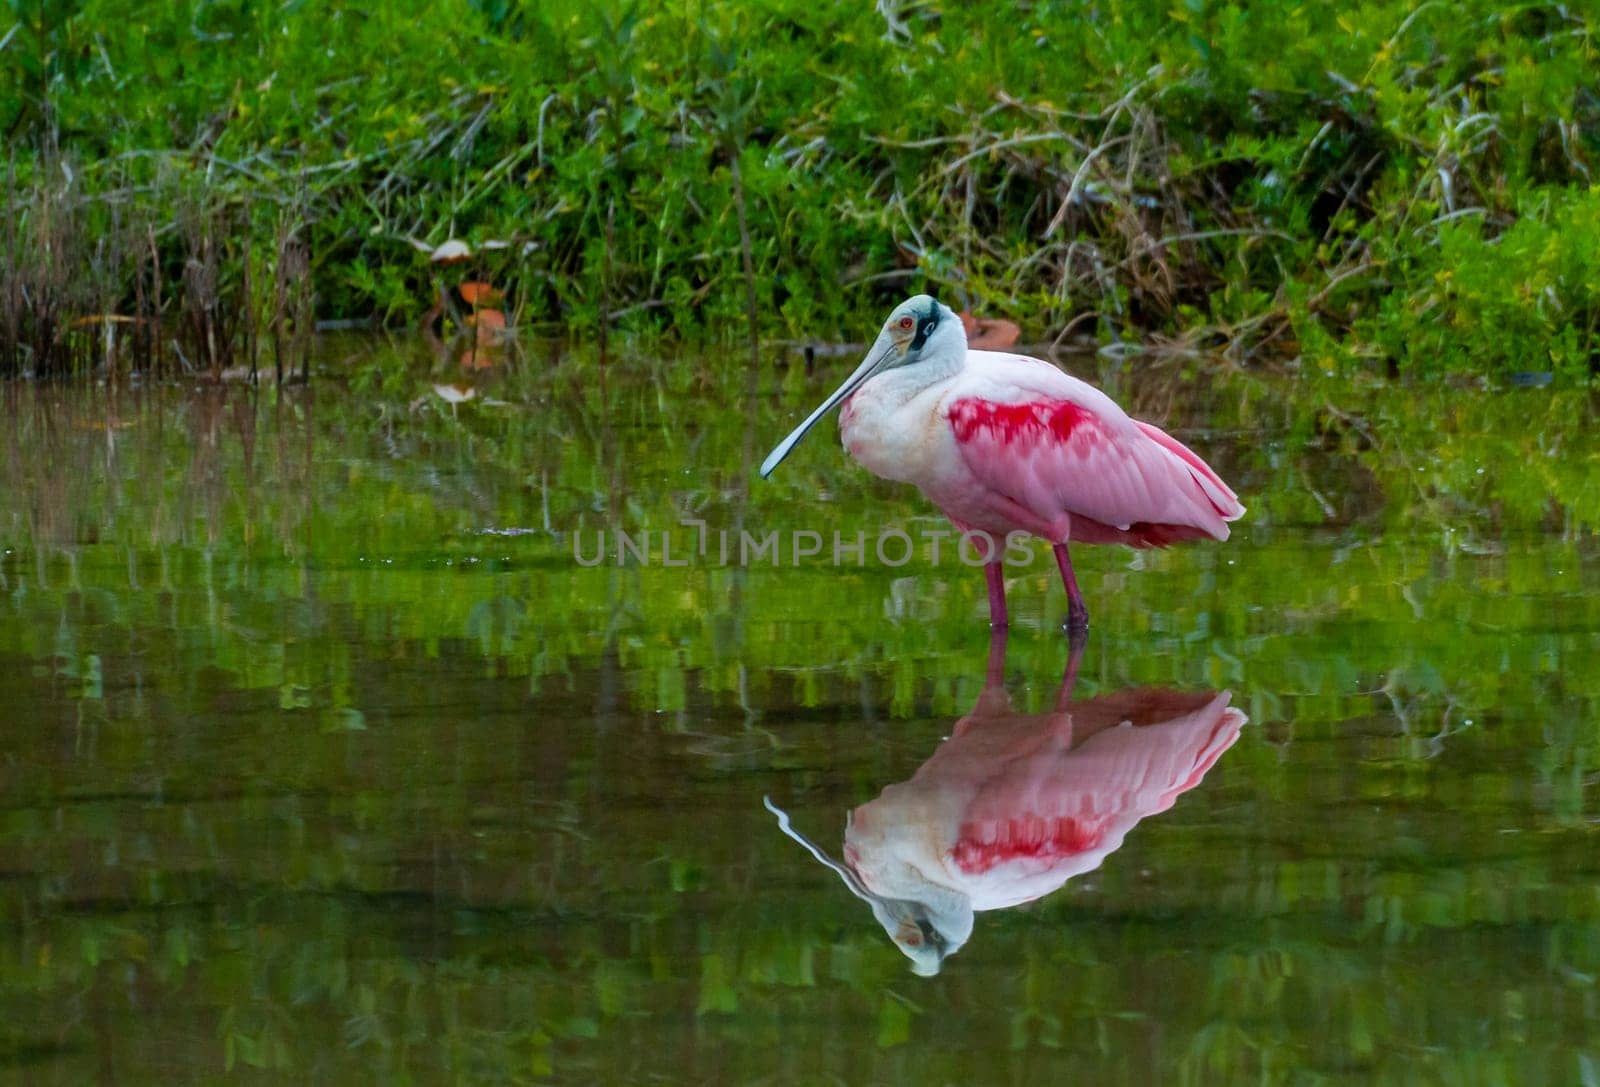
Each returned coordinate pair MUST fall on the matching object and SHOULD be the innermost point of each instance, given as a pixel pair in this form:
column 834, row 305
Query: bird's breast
column 895, row 432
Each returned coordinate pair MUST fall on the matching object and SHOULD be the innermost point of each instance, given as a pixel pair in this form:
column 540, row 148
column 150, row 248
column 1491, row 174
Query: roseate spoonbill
column 1012, row 806
column 1005, row 443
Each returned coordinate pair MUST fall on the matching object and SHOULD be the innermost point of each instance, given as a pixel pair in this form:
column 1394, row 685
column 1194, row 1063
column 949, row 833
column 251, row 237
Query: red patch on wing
column 982, row 846
column 1009, row 423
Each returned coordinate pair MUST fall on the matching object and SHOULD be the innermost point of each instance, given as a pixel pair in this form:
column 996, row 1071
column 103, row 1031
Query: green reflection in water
column 326, row 758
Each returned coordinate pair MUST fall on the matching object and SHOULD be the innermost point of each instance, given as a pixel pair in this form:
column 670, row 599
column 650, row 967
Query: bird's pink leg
column 997, row 595
column 1077, row 614
column 1069, row 678
column 995, row 676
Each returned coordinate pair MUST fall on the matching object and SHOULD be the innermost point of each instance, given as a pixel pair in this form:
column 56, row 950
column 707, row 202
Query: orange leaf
column 476, row 293
column 989, row 333
column 106, row 319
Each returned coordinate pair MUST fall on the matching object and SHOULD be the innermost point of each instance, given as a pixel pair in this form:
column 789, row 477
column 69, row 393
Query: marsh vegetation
column 1382, row 186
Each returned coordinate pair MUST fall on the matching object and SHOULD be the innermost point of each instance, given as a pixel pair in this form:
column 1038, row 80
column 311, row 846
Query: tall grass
column 94, row 282
column 1384, row 184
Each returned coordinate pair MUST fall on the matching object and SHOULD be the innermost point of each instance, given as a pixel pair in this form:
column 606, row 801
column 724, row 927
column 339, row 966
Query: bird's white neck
column 894, row 388
column 941, row 358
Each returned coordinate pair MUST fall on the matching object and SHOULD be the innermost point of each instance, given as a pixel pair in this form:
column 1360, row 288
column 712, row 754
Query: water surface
column 326, row 759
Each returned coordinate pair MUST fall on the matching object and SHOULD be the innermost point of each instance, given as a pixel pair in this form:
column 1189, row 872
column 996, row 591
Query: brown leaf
column 989, row 333
column 106, row 319
column 477, row 293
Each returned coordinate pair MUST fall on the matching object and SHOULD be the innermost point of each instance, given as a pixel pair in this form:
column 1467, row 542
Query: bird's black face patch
column 925, row 328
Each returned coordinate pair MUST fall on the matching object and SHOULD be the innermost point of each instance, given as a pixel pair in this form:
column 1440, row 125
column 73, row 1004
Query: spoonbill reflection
column 1005, row 443
column 1013, row 805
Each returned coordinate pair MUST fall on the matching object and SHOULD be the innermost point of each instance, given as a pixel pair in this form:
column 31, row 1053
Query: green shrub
column 1296, row 178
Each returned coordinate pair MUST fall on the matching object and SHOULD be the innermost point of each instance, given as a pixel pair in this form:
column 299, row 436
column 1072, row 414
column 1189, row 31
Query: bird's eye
column 906, row 322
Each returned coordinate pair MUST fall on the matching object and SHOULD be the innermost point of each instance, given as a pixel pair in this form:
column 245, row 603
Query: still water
column 326, row 759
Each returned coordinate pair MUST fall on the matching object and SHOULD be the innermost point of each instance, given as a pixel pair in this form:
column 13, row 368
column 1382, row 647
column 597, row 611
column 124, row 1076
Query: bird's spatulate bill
column 851, row 880
column 880, row 353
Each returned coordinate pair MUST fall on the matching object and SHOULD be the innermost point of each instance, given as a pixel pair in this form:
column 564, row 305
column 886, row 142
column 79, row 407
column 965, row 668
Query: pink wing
column 1056, row 445
column 1054, row 807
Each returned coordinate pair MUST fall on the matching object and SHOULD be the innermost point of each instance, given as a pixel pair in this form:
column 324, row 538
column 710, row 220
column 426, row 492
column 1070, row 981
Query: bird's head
column 921, row 332
column 917, row 932
column 921, row 328
column 928, row 927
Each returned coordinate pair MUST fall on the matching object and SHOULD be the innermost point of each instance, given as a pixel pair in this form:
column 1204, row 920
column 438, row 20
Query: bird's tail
column 1218, row 493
